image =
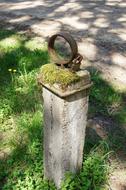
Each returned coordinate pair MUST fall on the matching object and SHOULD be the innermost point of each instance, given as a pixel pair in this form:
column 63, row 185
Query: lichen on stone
column 51, row 74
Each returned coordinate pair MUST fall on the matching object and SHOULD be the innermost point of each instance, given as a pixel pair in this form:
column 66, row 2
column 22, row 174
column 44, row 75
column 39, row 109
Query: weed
column 94, row 172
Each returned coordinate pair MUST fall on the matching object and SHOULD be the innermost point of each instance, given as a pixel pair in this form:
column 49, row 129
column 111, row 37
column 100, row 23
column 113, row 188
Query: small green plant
column 94, row 173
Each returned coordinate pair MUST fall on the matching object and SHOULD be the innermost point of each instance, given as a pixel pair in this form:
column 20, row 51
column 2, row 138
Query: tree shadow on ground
column 107, row 117
column 19, row 56
column 98, row 26
column 18, row 91
column 25, row 163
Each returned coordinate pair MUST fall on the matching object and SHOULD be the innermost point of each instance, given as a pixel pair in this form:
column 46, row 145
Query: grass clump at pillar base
column 51, row 73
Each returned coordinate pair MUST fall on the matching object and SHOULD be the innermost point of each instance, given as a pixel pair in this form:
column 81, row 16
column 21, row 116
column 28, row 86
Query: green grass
column 106, row 101
column 21, row 121
column 94, row 172
column 21, row 112
column 110, row 104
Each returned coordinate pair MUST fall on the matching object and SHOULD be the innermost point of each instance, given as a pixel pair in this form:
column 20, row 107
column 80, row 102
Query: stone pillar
column 65, row 116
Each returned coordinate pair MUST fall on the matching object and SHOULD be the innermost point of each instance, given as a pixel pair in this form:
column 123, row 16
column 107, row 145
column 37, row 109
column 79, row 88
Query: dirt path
column 98, row 26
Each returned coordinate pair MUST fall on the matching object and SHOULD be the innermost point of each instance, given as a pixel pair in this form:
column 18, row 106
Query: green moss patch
column 51, row 74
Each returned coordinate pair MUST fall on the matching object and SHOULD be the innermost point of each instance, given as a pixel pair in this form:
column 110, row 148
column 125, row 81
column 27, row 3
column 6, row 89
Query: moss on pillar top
column 51, row 73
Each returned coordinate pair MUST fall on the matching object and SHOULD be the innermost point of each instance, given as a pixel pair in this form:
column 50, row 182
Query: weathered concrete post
column 65, row 116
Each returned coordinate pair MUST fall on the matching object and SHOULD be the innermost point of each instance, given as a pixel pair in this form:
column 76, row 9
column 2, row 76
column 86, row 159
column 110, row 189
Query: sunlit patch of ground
column 10, row 43
column 35, row 43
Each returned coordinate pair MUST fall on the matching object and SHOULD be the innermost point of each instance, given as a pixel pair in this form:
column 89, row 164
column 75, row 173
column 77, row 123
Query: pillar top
column 82, row 83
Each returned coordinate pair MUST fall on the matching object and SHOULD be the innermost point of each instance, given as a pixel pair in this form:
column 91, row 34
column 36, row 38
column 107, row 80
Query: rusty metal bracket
column 75, row 59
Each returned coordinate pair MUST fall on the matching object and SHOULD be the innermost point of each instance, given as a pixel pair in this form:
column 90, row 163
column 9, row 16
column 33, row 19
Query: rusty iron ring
column 71, row 42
